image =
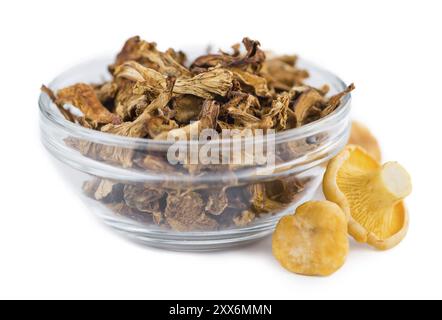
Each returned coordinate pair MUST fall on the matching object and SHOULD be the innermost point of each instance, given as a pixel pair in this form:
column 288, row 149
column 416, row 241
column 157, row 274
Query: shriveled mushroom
column 305, row 104
column 83, row 97
column 314, row 241
column 371, row 195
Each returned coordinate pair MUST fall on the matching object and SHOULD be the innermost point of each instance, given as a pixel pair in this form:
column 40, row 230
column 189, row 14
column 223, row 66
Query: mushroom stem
column 391, row 184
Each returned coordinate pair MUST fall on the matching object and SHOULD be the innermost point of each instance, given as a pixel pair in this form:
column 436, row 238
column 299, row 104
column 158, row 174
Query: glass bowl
column 128, row 183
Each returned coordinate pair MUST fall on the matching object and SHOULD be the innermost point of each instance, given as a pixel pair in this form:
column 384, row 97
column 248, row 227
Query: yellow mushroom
column 361, row 136
column 371, row 195
column 314, row 241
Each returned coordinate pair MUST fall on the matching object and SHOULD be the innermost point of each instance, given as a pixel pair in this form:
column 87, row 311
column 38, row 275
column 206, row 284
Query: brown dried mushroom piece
column 106, row 92
column 282, row 74
column 206, row 85
column 143, row 198
column 207, row 120
column 122, row 209
column 187, row 107
column 103, row 190
column 112, row 155
column 286, row 190
column 335, row 100
column 155, row 163
column 83, row 97
column 132, row 50
column 147, row 54
column 258, row 83
column 185, row 212
column 128, row 104
column 280, row 112
column 244, row 219
column 307, row 105
column 252, row 59
column 261, row 203
column 217, row 202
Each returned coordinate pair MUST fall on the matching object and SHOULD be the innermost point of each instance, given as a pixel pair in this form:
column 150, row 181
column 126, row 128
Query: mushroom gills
column 375, row 194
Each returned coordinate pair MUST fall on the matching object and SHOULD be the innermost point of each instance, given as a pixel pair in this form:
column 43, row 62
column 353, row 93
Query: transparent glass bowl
column 134, row 199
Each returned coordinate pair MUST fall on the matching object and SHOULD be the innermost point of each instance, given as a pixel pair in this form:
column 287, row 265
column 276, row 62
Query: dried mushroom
column 186, row 212
column 244, row 219
column 307, row 105
column 313, row 241
column 187, row 107
column 282, row 74
column 285, row 190
column 143, row 198
column 217, row 202
column 122, row 209
column 83, row 97
column 371, row 195
column 104, row 190
column 154, row 94
column 251, row 60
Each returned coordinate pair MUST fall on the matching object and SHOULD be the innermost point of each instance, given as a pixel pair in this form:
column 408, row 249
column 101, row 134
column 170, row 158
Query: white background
column 51, row 246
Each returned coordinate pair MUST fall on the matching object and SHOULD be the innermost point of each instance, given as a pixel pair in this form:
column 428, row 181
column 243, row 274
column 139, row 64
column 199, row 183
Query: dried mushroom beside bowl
column 153, row 94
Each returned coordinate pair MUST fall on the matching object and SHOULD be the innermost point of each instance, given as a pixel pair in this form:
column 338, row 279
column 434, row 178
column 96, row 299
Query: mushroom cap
column 361, row 136
column 314, row 241
column 371, row 196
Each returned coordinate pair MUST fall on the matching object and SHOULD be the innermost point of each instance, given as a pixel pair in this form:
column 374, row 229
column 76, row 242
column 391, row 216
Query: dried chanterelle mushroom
column 151, row 93
column 361, row 136
column 314, row 241
column 371, row 195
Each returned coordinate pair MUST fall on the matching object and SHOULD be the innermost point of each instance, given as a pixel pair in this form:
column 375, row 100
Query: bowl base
column 191, row 241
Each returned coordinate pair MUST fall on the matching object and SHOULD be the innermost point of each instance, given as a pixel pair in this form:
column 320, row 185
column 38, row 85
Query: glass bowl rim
column 53, row 116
